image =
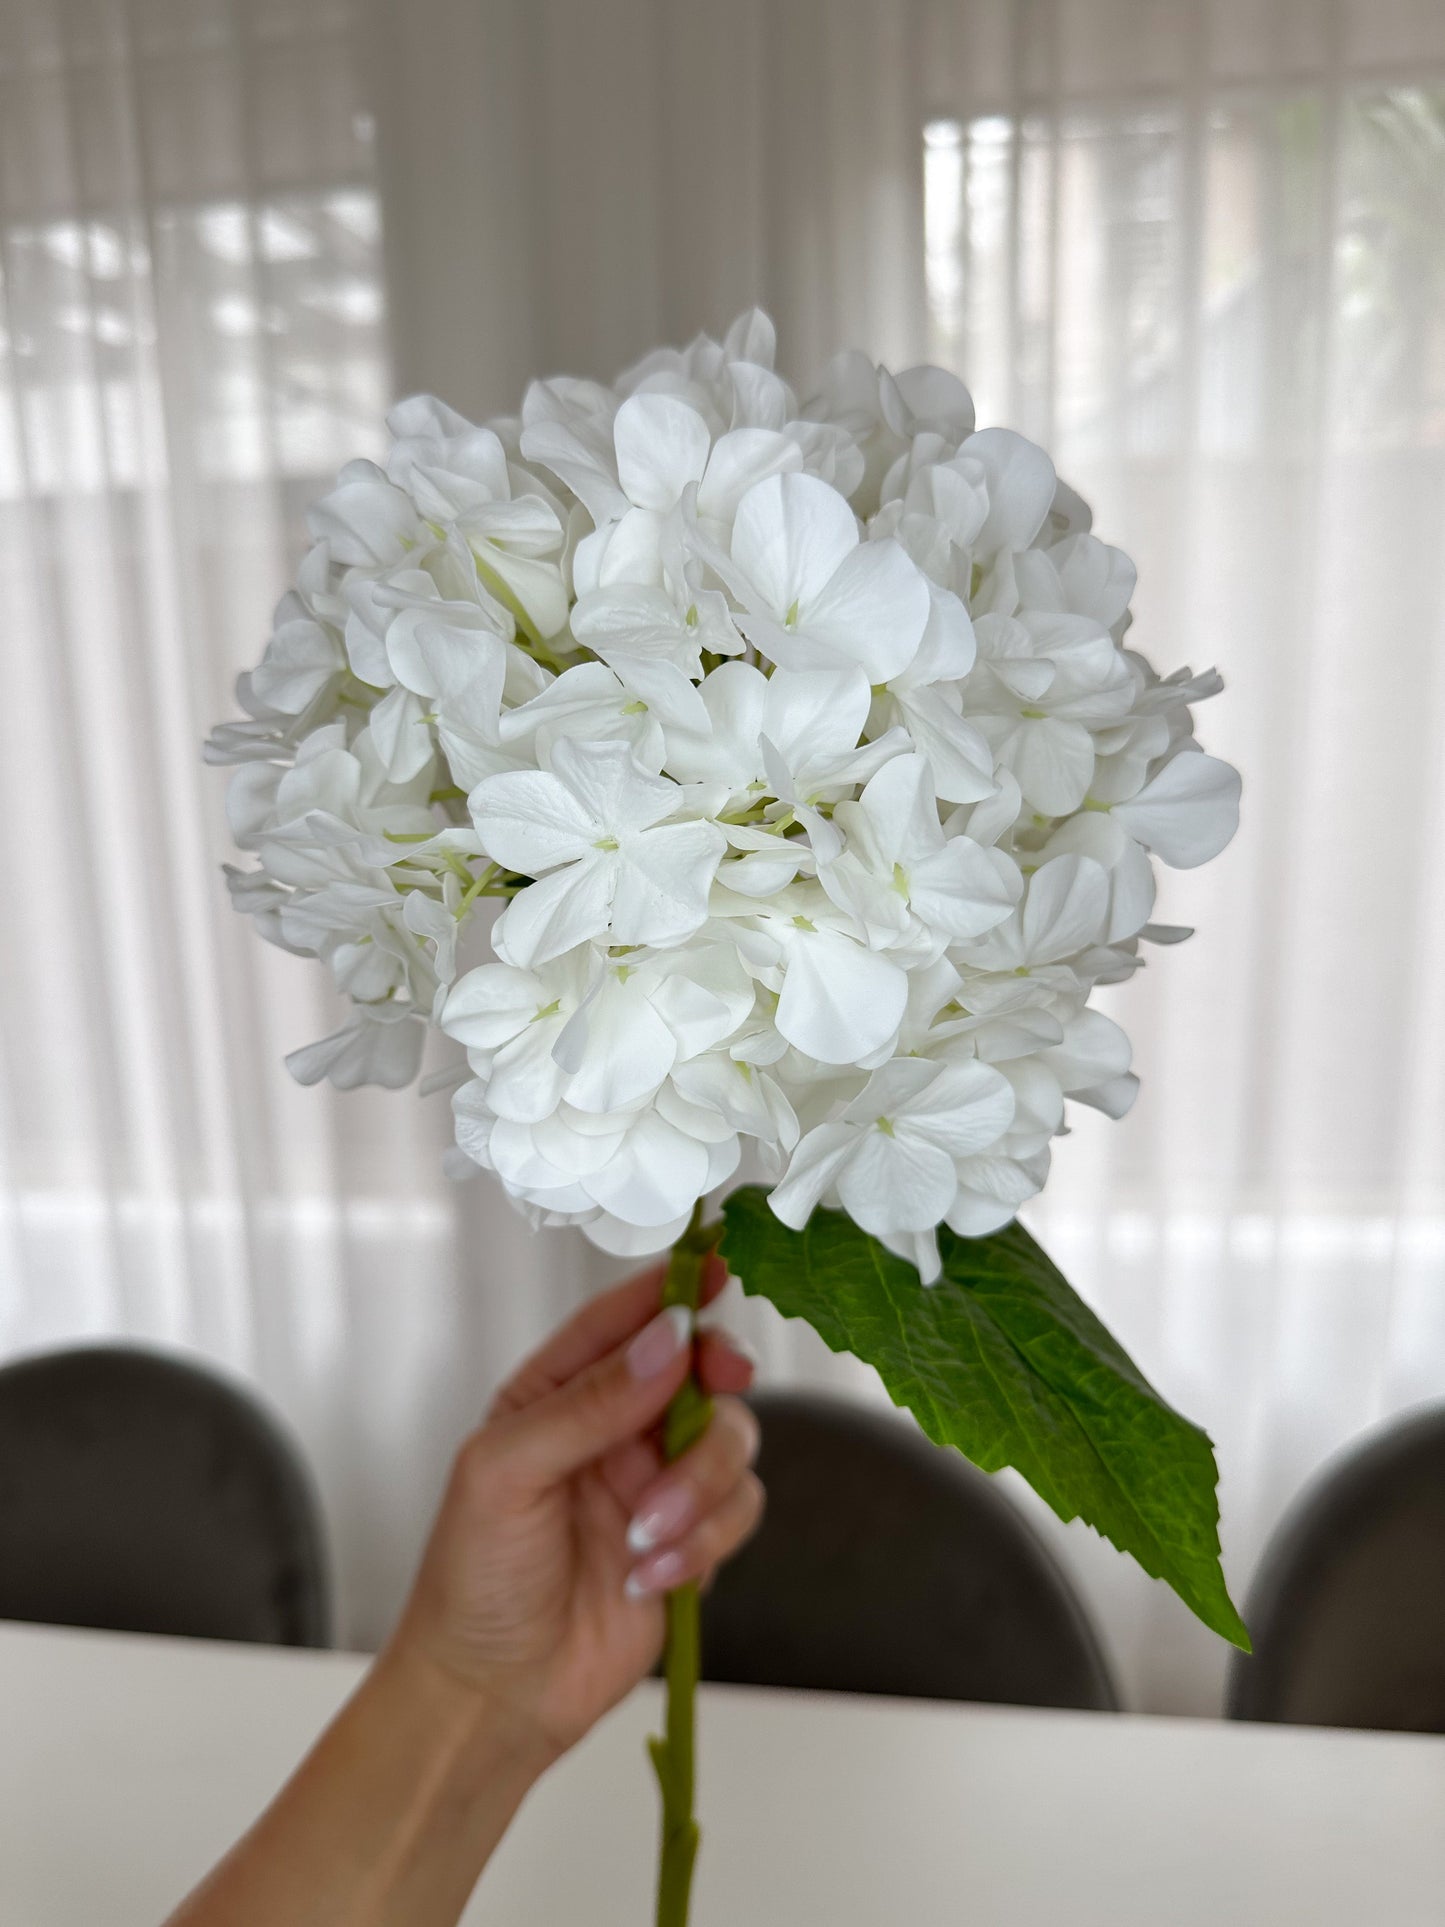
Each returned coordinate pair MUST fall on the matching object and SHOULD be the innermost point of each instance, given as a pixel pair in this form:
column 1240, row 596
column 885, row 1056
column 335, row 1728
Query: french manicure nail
column 658, row 1344
column 662, row 1519
column 657, row 1574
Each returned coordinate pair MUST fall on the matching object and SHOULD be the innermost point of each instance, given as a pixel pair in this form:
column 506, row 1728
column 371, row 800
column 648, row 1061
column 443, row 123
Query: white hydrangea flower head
column 730, row 782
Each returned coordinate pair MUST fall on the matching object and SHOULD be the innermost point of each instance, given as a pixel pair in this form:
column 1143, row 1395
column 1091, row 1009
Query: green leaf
column 1003, row 1360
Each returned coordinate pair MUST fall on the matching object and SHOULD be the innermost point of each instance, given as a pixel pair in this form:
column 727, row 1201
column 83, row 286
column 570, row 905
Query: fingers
column 629, row 1469
column 722, row 1364
column 712, row 1539
column 621, row 1395
column 701, row 1480
column 722, row 1368
column 715, row 1275
column 602, row 1324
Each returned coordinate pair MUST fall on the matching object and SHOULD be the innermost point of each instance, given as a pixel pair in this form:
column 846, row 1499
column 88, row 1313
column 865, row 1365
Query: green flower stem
column 673, row 1755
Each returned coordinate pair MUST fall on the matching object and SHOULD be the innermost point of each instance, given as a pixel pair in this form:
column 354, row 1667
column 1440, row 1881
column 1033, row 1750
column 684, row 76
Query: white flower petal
column 979, row 1213
column 752, row 337
column 612, row 787
column 554, row 915
column 1115, row 1097
column 723, row 1158
column 810, row 715
column 872, row 611
column 656, row 1176
column 811, row 1171
column 403, row 741
column 1131, row 875
column 764, row 872
column 621, row 1240
column 702, row 1121
column 839, row 1001
column 381, row 1045
column 491, row 1004
column 892, row 1089
column 1021, row 485
column 530, row 821
column 991, row 1191
column 663, row 879
column 628, row 1051
column 365, row 521
column 968, row 1107
column 739, row 461
column 1094, row 1050
column 662, row 445
column 963, row 889
column 1065, row 908
column 936, row 396
column 526, row 1083
column 1052, row 760
column 1188, row 812
column 917, row 1248
column 704, row 998
column 746, row 1099
column 902, row 811
column 579, row 454
column 957, row 753
column 790, row 534
column 889, row 1185
column 1097, row 580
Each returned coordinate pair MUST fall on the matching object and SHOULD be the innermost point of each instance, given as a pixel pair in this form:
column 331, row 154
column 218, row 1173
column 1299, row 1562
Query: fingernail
column 657, row 1574
column 661, row 1519
column 741, row 1416
column 658, row 1344
column 743, row 1349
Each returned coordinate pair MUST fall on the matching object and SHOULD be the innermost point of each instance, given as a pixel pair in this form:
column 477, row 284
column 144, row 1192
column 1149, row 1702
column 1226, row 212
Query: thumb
column 612, row 1401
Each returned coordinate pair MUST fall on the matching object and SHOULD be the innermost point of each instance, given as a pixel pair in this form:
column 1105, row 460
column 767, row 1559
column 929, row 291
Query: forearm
column 390, row 1818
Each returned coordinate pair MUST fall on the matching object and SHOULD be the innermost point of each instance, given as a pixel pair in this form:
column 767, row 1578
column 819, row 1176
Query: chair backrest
column 888, row 1565
column 1347, row 1612
column 141, row 1493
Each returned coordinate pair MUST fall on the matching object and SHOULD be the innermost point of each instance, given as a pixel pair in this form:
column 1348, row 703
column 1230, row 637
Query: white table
column 127, row 1765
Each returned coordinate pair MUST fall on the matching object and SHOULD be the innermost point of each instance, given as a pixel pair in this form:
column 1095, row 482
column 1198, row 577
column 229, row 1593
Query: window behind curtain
column 1198, row 250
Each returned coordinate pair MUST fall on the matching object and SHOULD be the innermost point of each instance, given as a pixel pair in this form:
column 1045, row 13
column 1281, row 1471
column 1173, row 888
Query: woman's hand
column 541, row 1587
column 538, row 1606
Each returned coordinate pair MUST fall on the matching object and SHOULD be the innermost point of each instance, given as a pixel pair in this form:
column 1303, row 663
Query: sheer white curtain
column 192, row 336
column 1196, row 248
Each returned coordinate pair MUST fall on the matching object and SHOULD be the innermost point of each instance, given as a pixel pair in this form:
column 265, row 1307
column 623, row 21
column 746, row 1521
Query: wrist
column 486, row 1728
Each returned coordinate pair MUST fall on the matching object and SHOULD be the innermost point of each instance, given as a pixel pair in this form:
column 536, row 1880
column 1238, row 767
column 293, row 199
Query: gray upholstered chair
column 1347, row 1612
column 888, row 1565
column 142, row 1493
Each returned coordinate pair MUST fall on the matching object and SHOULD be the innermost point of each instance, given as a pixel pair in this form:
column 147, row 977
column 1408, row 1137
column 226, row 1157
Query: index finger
column 601, row 1325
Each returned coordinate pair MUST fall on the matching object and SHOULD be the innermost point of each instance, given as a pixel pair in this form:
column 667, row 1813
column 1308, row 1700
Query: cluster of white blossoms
column 730, row 779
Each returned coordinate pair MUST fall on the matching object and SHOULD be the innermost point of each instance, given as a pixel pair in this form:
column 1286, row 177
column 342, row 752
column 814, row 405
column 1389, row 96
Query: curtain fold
column 1194, row 246
column 1196, row 249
